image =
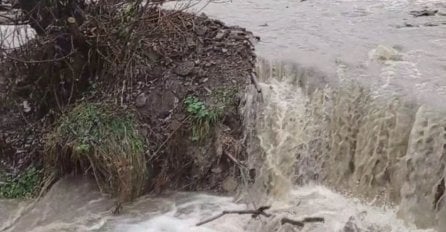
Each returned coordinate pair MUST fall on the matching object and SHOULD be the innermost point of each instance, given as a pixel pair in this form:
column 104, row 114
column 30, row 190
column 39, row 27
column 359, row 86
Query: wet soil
column 208, row 58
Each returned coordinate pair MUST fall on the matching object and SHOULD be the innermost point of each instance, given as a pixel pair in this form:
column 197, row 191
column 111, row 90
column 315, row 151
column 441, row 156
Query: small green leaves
column 203, row 117
column 22, row 185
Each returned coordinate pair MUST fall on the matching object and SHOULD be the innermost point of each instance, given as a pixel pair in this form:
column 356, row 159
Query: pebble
column 185, row 68
column 221, row 34
column 141, row 100
column 26, row 107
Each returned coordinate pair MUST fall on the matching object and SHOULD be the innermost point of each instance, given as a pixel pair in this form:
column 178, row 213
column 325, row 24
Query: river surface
column 329, row 35
column 349, row 126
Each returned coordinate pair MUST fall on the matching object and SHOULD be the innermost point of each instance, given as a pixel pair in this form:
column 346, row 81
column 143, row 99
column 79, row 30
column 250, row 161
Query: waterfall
column 355, row 139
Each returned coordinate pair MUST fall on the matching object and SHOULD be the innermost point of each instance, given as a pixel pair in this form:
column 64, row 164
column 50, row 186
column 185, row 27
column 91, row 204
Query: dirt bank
column 182, row 82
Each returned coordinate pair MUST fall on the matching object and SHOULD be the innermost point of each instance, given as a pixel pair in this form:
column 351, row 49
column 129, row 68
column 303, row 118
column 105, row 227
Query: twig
column 301, row 223
column 231, row 157
column 255, row 82
column 169, row 137
column 255, row 213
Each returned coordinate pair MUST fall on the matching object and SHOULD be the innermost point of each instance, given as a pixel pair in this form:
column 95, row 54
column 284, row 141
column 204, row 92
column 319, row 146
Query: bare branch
column 231, row 157
column 254, row 213
column 301, row 223
column 261, row 211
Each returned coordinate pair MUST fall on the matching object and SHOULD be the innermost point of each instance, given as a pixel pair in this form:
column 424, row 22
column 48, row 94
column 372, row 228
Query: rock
column 221, row 34
column 383, row 53
column 26, row 107
column 420, row 13
column 141, row 100
column 185, row 68
column 201, row 30
column 351, row 226
column 224, row 50
column 229, row 184
column 237, row 34
column 216, row 170
column 204, row 16
column 431, row 24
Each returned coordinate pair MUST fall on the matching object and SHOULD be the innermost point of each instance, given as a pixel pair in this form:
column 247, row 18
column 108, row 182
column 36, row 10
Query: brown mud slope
column 182, row 80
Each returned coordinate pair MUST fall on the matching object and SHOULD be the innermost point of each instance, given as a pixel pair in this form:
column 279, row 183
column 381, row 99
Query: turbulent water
column 357, row 112
column 75, row 205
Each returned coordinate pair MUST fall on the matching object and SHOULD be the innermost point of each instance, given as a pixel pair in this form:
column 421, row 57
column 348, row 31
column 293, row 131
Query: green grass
column 89, row 126
column 103, row 141
column 24, row 185
column 205, row 116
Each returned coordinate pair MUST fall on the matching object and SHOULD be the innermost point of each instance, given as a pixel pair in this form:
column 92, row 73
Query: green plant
column 103, row 141
column 203, row 117
column 20, row 186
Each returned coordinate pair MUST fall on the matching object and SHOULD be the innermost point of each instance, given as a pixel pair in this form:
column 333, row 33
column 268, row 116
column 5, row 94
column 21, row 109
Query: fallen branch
column 301, row 223
column 255, row 82
column 255, row 213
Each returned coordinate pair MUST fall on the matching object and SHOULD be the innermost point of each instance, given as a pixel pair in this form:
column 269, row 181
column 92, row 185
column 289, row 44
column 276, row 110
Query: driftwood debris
column 255, row 213
column 302, row 222
column 261, row 211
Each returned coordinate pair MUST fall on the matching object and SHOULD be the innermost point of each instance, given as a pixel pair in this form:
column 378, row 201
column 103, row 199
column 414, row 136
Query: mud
column 204, row 60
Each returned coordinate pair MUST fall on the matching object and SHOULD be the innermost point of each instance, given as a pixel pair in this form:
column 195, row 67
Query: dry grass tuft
column 94, row 139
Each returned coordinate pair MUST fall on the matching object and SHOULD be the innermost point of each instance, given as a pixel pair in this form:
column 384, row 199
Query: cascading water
column 383, row 141
column 355, row 140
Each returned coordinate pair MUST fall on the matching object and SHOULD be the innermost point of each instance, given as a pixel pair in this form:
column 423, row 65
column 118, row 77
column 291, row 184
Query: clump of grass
column 101, row 141
column 203, row 117
column 23, row 185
